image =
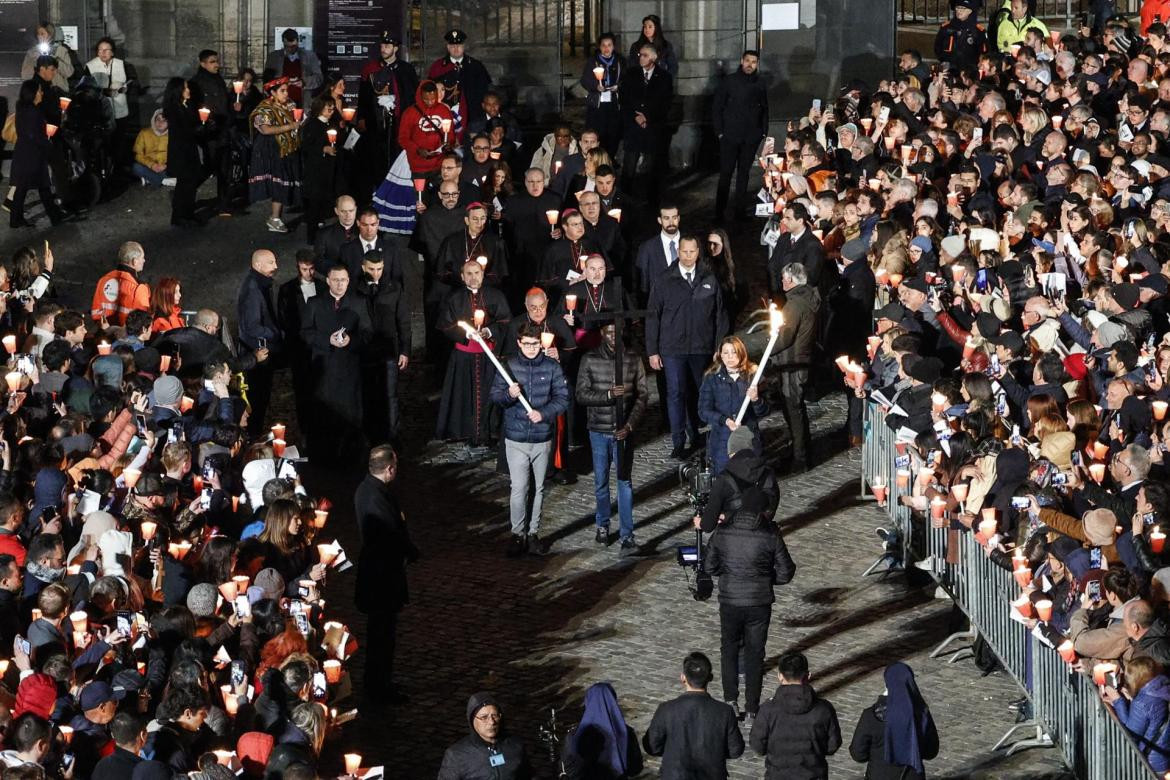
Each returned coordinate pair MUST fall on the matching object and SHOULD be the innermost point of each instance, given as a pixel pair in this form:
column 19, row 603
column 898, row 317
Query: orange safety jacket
column 117, row 294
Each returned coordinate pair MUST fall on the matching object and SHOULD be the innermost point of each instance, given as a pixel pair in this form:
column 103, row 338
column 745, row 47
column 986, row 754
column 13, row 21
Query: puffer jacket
column 1145, row 718
column 595, row 377
column 750, row 559
column 150, row 147
column 796, row 731
column 544, row 156
column 543, row 384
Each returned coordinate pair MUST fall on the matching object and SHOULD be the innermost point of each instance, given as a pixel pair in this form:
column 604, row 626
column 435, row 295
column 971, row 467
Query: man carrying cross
column 611, row 384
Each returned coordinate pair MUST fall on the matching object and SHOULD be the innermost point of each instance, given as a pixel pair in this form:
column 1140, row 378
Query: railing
column 1066, row 704
column 1064, row 11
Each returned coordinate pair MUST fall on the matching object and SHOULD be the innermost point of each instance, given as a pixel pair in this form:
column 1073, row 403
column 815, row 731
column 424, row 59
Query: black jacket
column 10, row 622
column 385, row 316
column 197, row 348
column 330, row 240
column 745, row 468
column 650, row 98
column 868, row 745
column 117, row 766
column 806, row 250
column 595, row 376
column 740, row 109
column 352, row 254
column 750, row 558
column 290, row 308
column 386, row 549
column 695, row 735
column 256, row 313
column 685, row 319
column 1155, row 643
column 796, row 731
column 471, row 758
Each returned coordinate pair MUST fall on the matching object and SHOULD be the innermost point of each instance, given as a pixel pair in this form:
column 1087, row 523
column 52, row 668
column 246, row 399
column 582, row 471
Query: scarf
column 607, row 63
column 272, row 113
column 45, row 573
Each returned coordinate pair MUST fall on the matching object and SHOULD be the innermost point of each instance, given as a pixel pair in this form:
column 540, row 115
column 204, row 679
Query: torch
column 473, row 334
column 776, row 320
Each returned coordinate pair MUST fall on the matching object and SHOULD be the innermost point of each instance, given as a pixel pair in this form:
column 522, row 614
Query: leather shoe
column 855, row 441
column 678, row 453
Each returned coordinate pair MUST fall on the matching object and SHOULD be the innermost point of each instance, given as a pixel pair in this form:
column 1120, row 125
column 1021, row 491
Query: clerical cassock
column 336, row 426
column 465, row 410
column 564, row 263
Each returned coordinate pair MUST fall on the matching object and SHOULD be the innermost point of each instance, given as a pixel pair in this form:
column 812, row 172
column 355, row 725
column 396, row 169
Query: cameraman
column 750, row 558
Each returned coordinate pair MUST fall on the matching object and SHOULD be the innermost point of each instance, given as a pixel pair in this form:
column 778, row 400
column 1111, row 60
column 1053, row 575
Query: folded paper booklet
column 906, row 435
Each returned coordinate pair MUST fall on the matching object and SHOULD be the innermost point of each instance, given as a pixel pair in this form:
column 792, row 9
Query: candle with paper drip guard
column 204, row 114
column 551, row 216
column 473, row 335
column 10, row 344
column 348, row 114
column 775, row 320
column 445, row 124
column 331, row 134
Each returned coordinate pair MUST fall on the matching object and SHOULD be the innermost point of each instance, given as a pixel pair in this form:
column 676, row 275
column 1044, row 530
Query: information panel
column 346, row 34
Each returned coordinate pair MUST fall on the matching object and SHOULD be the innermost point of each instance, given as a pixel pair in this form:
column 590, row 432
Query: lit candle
column 987, row 529
column 327, row 553
column 1097, row 472
column 866, row 123
column 149, row 529
column 348, row 114
column 546, row 339
column 1044, row 609
column 164, row 363
column 353, row 763
column 50, row 130
column 231, row 703
column 1023, row 576
column 104, row 348
column 1057, row 121
column 445, row 124
column 968, row 347
column 571, row 302
column 1100, row 449
column 1067, row 653
column 938, row 402
column 131, row 477
column 938, row 507
column 1023, row 605
column 616, row 214
column 186, row 404
column 903, row 478
column 1157, row 539
column 477, row 318
column 278, row 446
column 204, row 114
column 875, row 184
column 80, row 621
column 551, row 216
column 228, row 590
column 1102, row 670
column 224, row 757
column 842, row 363
column 879, row 490
column 959, row 490
column 10, row 345
column 13, row 378
column 332, row 671
column 197, row 483
column 179, row 550
column 298, row 113
column 66, row 733
column 278, row 431
column 599, row 73
column 907, row 150
column 238, row 88
column 872, row 343
column 331, row 134
column 319, row 518
column 241, row 581
column 1159, row 409
column 895, row 280
column 64, row 102
column 482, row 260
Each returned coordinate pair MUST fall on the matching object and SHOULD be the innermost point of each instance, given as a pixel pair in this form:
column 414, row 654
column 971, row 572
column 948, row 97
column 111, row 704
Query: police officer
column 961, row 39
column 387, row 87
column 472, row 78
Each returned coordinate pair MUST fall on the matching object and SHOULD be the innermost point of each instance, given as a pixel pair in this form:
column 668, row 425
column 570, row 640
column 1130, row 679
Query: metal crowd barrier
column 1062, row 13
column 1066, row 704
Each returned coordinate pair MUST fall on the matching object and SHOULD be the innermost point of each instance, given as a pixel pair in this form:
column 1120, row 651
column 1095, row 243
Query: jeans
column 684, row 375
column 523, row 458
column 749, row 626
column 151, row 177
column 605, row 452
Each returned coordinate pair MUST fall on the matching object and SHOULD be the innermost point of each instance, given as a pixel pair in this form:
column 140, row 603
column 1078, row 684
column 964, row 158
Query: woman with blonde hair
column 725, row 385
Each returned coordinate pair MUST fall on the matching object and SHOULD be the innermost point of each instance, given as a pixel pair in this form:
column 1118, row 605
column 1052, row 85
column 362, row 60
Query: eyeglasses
column 527, row 345
column 489, row 716
column 481, row 148
column 448, row 194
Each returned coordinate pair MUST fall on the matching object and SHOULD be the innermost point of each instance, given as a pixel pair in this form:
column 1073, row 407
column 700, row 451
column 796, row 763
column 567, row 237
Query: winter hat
column 95, row 695
column 740, row 439
column 271, row 582
column 37, row 693
column 167, row 390
column 1100, row 525
column 953, row 245
column 923, row 243
column 987, row 324
column 126, row 682
column 253, row 748
column 201, row 599
column 854, row 249
column 1109, row 333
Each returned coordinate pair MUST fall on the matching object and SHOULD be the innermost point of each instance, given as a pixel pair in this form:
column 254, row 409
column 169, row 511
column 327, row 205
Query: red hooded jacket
column 421, row 131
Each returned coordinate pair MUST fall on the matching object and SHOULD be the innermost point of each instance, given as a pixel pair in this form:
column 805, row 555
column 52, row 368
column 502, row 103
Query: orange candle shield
column 1067, row 652
column 1044, row 609
column 332, row 671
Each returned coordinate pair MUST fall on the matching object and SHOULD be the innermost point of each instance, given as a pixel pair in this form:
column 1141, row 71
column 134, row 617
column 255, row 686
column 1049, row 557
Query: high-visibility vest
column 117, row 294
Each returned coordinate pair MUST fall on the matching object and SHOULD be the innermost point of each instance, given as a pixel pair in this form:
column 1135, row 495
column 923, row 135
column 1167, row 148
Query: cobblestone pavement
column 539, row 631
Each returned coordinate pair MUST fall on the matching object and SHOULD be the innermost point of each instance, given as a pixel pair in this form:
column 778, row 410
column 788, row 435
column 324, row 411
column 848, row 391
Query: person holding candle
column 473, row 242
column 210, row 91
column 464, row 410
column 30, row 157
column 420, row 133
column 554, row 149
column 488, row 752
column 793, row 355
column 274, row 172
column 606, row 232
column 322, row 179
column 577, row 171
column 184, row 131
column 562, row 264
column 528, row 431
column 602, row 109
column 381, row 589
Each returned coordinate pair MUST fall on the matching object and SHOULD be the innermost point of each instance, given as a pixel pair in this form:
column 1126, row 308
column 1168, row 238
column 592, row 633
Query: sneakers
column 142, row 180
column 169, row 181
column 276, row 225
column 516, row 547
column 748, row 720
column 537, row 546
column 927, row 563
column 630, row 546
column 602, row 535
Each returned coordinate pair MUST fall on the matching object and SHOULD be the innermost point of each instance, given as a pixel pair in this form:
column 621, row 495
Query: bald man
column 259, row 330
column 335, row 235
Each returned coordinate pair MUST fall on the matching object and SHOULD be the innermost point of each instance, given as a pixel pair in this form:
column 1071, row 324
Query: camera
column 695, row 477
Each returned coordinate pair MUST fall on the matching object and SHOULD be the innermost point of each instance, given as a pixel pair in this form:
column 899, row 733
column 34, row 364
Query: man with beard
column 657, row 254
column 563, row 261
column 574, row 164
column 387, row 348
column 450, row 169
column 300, row 66
column 370, row 239
column 432, row 229
column 332, row 238
column 292, row 299
column 332, row 330
column 740, row 115
column 465, row 410
column 386, row 88
column 527, row 228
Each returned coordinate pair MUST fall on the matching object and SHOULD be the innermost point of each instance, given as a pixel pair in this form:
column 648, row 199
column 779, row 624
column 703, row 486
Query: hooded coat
column 473, row 759
column 421, row 131
column 1145, row 717
column 796, row 731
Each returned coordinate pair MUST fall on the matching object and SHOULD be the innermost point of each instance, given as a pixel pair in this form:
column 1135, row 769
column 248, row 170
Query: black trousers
column 737, row 157
column 654, row 146
column 18, row 197
column 183, row 200
column 381, row 637
column 747, row 626
column 606, row 119
column 380, row 395
column 792, row 388
column 259, row 393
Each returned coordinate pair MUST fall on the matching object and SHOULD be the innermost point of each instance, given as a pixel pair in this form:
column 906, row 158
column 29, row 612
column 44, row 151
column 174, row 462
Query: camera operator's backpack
column 734, row 505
